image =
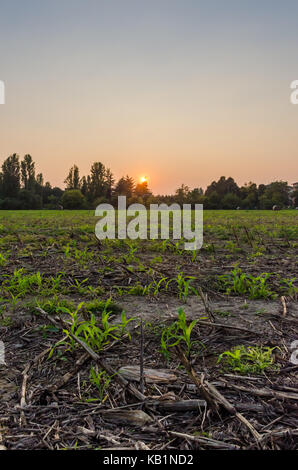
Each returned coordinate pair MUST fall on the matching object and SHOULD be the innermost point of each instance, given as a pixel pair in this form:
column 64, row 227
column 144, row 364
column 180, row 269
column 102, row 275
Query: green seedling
column 250, row 360
column 101, row 380
column 176, row 333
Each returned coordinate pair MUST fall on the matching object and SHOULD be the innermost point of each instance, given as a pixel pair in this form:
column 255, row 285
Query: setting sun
column 143, row 179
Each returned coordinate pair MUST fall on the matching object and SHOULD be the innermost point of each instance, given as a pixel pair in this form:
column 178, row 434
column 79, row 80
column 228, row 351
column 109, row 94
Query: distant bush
column 10, row 203
column 73, row 199
column 29, row 200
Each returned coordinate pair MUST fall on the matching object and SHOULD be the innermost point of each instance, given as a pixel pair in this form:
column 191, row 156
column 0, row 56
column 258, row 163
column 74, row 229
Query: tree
column 125, row 187
column 46, row 192
column 72, row 180
column 213, row 201
column 230, row 201
column 142, row 190
column 109, row 183
column 294, row 197
column 57, row 192
column 223, row 186
column 52, row 197
column 10, row 179
column 98, row 185
column 196, row 196
column 249, row 196
column 181, row 194
column 73, row 199
column 39, row 179
column 84, row 186
column 29, row 200
column 276, row 193
column 28, row 173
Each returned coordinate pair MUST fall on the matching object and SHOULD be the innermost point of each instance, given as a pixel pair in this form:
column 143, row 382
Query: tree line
column 22, row 188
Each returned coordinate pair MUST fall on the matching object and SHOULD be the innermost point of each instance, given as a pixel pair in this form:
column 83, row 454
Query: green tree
column 84, row 186
column 28, row 173
column 223, row 186
column 98, row 180
column 249, row 195
column 125, row 187
column 196, row 196
column 295, row 197
column 29, row 200
column 276, row 193
column 142, row 190
column 73, row 199
column 230, row 201
column 11, row 176
column 72, row 180
column 181, row 194
column 110, row 181
column 213, row 201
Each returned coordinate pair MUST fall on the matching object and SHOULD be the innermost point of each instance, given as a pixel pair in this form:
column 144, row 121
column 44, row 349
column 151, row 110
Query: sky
column 182, row 91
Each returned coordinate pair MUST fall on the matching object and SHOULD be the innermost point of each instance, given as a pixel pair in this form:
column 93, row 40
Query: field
column 203, row 339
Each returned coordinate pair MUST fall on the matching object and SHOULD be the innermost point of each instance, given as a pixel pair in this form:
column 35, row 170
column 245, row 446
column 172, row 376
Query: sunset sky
column 182, row 91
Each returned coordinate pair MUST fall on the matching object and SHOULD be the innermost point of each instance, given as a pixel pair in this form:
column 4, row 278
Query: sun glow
column 143, row 179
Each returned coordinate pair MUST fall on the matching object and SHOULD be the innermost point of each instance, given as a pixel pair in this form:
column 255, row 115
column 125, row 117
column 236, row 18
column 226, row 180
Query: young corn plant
column 79, row 286
column 14, row 300
column 288, row 286
column 257, row 287
column 250, row 360
column 101, row 379
column 245, row 284
column 183, row 284
column 96, row 334
column 20, row 284
column 55, row 283
column 82, row 255
column 124, row 322
column 66, row 251
column 74, row 321
column 194, row 256
column 157, row 285
column 138, row 289
column 52, row 305
column 178, row 332
column 3, row 260
column 131, row 257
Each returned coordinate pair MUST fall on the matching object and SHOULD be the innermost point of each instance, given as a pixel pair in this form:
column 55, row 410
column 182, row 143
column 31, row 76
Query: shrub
column 73, row 199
